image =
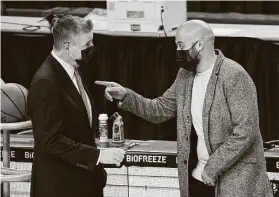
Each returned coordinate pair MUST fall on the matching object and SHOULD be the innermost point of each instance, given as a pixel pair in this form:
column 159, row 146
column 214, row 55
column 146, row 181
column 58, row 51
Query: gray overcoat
column 230, row 123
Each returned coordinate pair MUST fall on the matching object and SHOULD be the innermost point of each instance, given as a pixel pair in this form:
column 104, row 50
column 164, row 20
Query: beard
column 184, row 60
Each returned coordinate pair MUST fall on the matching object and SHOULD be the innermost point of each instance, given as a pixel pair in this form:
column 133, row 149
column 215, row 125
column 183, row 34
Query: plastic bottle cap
column 103, row 117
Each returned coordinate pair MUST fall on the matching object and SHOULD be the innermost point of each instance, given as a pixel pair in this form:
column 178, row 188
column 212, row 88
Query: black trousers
column 199, row 189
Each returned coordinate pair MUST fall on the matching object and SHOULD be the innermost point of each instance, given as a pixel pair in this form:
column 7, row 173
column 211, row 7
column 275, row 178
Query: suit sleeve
column 155, row 110
column 242, row 102
column 44, row 108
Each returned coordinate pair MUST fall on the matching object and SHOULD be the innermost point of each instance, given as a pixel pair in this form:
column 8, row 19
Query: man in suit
column 66, row 162
column 220, row 149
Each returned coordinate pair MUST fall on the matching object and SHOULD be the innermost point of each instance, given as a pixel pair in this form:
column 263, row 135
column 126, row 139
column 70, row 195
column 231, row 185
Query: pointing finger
column 105, row 83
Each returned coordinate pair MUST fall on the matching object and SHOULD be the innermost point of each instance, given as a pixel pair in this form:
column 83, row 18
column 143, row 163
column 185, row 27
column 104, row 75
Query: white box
column 145, row 15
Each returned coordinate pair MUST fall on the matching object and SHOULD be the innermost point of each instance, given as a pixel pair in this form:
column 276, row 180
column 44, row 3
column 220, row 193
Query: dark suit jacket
column 65, row 153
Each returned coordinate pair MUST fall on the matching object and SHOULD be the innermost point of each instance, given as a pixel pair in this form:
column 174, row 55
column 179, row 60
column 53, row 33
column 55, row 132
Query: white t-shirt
column 198, row 94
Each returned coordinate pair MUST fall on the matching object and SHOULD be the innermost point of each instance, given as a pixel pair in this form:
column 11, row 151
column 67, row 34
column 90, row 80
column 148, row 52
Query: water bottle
column 103, row 130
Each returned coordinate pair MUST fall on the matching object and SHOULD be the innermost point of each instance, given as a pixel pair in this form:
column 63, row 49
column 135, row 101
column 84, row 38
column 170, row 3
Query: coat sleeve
column 44, row 108
column 242, row 102
column 155, row 110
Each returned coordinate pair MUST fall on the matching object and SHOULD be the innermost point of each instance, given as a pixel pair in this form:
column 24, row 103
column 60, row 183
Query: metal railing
column 7, row 174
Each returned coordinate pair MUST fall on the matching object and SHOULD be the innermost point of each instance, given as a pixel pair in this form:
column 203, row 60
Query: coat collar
column 209, row 96
column 219, row 60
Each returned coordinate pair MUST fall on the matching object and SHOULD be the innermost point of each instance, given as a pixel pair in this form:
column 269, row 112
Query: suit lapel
column 68, row 85
column 210, row 92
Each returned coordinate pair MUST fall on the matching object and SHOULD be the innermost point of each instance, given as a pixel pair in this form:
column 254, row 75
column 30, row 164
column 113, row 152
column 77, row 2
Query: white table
column 263, row 32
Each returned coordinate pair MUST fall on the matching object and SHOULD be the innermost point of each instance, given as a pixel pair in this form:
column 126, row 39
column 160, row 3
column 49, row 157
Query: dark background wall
column 147, row 65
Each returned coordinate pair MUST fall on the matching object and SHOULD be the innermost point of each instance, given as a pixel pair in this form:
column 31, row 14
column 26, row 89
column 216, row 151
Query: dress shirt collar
column 68, row 68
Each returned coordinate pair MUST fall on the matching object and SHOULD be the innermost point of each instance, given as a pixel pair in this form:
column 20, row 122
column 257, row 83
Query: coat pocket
column 248, row 158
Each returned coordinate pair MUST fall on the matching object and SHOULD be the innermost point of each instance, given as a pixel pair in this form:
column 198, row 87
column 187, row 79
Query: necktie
column 83, row 95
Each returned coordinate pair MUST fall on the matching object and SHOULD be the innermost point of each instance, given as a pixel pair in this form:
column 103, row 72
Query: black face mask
column 185, row 61
column 86, row 54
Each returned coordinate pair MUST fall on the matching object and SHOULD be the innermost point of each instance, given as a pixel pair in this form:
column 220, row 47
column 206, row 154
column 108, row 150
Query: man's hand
column 113, row 90
column 207, row 180
column 112, row 156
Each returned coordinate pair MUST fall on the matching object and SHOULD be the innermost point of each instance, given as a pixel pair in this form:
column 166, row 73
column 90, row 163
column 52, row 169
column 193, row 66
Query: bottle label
column 103, row 133
column 103, row 139
column 116, row 133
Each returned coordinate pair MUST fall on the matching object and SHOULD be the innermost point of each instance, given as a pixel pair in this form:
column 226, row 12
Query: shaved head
column 193, row 31
column 195, row 46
